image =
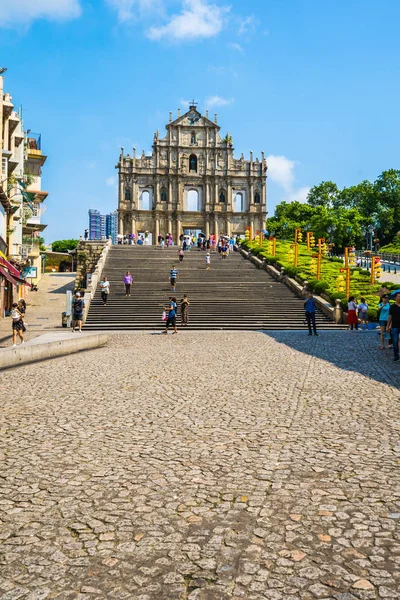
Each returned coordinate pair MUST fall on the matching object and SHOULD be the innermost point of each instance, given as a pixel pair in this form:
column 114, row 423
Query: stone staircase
column 232, row 295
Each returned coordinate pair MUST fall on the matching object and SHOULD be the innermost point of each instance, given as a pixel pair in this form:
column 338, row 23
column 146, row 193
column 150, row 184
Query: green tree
column 387, row 187
column 64, row 245
column 325, row 194
column 362, row 197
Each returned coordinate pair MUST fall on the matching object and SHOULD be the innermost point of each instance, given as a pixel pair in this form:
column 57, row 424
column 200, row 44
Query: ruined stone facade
column 191, row 182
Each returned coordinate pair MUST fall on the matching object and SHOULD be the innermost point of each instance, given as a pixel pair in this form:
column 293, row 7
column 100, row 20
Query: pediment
column 192, row 118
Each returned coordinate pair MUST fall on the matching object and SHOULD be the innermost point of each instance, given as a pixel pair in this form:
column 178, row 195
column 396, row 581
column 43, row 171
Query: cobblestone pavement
column 44, row 308
column 203, row 466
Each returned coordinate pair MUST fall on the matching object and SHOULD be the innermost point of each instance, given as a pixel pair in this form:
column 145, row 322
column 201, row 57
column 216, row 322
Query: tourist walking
column 383, row 316
column 128, row 283
column 208, row 261
column 180, row 254
column 105, row 289
column 363, row 313
column 311, row 309
column 352, row 319
column 78, row 305
column 185, row 310
column 173, row 276
column 393, row 325
column 171, row 318
column 17, row 324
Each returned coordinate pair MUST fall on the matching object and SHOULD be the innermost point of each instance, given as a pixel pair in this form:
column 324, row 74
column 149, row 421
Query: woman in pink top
column 128, row 282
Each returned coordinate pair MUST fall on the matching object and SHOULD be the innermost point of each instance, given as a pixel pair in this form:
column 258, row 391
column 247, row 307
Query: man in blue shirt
column 310, row 308
column 171, row 320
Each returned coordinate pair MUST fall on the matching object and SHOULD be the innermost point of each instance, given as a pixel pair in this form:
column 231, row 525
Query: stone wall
column 87, row 257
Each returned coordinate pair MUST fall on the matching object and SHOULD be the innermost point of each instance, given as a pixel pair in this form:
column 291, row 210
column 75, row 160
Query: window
column 127, row 194
column 146, row 200
column 193, row 138
column 193, row 163
column 193, row 201
column 257, row 198
column 4, row 166
column 222, row 197
column 163, row 196
column 238, row 203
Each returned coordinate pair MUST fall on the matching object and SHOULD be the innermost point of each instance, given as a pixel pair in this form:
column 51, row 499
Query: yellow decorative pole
column 372, row 269
column 320, row 250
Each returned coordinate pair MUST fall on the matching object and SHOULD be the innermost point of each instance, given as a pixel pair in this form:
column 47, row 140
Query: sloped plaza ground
column 203, row 466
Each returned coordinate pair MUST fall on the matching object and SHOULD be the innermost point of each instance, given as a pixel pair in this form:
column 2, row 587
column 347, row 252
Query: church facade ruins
column 191, row 182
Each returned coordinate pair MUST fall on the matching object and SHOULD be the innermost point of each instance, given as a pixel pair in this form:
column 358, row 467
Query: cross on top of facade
column 193, row 104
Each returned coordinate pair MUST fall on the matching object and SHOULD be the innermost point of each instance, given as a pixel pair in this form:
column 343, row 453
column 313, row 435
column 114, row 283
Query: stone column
column 157, row 194
column 134, row 194
column 133, row 223
column 216, row 231
column 178, row 228
column 251, row 200
column 207, row 227
column 156, row 229
column 229, row 202
column 179, row 201
column 120, row 223
column 169, row 203
column 228, row 226
column 170, row 225
column 121, row 193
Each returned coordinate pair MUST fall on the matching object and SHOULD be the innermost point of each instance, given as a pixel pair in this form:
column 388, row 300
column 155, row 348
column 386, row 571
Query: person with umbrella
column 393, row 325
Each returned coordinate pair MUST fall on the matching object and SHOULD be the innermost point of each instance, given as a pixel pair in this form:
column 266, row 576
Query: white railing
column 96, row 277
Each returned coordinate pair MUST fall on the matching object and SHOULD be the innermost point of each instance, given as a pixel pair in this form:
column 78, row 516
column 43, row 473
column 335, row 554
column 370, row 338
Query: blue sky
column 314, row 84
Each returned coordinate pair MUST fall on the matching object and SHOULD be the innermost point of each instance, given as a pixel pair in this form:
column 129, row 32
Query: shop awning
column 8, row 276
column 13, row 270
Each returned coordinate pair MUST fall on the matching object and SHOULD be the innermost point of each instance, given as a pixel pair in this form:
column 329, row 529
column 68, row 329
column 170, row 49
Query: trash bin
column 64, row 319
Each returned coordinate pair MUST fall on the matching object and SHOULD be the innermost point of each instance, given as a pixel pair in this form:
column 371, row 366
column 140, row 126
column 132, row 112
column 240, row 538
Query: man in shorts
column 173, row 275
column 77, row 312
column 171, row 310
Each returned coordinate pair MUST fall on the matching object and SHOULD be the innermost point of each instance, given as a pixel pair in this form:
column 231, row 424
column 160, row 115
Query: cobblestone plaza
column 203, row 466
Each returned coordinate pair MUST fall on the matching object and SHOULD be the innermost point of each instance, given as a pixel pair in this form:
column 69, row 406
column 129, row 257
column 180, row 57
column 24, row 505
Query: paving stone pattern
column 203, row 466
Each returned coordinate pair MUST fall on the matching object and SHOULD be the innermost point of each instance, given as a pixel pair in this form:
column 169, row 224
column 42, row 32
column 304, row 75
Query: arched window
column 239, row 205
column 193, row 163
column 163, row 196
column 193, row 201
column 127, row 194
column 222, row 197
column 146, row 200
column 257, row 198
column 193, row 138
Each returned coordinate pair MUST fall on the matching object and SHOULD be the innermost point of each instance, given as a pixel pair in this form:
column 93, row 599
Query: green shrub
column 321, row 286
column 372, row 314
column 270, row 259
column 364, row 272
column 335, row 259
column 312, row 283
column 292, row 271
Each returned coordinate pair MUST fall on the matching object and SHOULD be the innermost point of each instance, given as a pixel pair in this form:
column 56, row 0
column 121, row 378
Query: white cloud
column 281, row 172
column 129, row 10
column 198, row 19
column 247, row 24
column 299, row 195
column 26, row 11
column 111, row 181
column 236, row 47
column 213, row 101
